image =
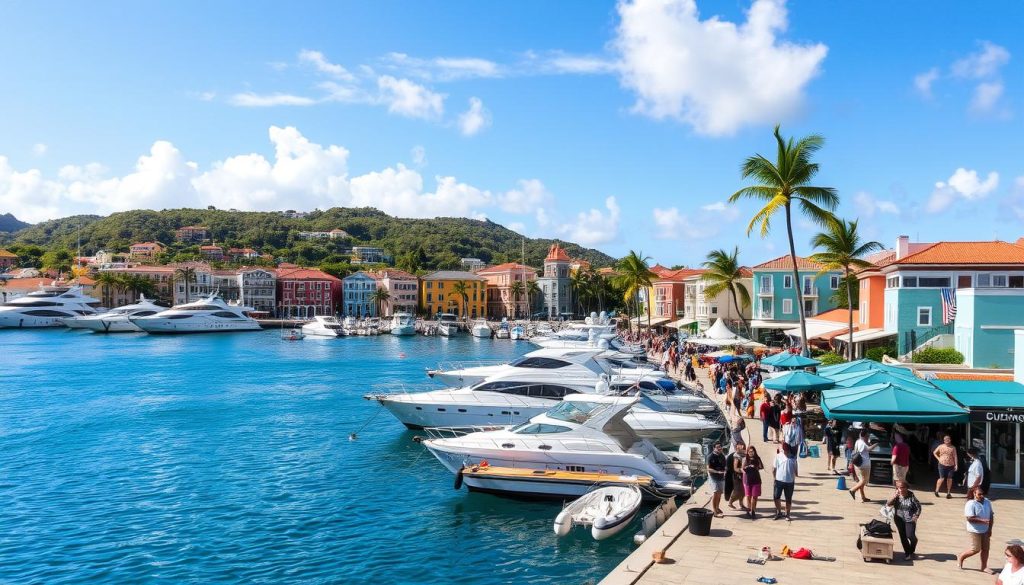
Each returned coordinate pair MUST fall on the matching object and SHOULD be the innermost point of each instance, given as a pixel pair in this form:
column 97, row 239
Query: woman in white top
column 862, row 451
column 1013, row 572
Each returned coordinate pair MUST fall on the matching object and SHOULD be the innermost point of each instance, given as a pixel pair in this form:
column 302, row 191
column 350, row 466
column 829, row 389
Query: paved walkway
column 826, row 521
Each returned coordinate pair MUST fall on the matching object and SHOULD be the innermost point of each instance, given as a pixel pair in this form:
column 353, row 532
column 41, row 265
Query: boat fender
column 563, row 523
column 417, row 439
column 458, row 478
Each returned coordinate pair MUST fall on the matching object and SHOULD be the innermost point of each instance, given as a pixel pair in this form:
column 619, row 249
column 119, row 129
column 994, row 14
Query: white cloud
column 39, row 149
column 579, row 64
column 530, row 197
column 475, row 119
column 923, row 82
column 868, row 205
column 321, row 64
column 419, row 156
column 254, row 100
column 720, row 210
column 594, row 226
column 714, row 75
column 986, row 96
column 405, row 98
column 399, row 191
column 442, row 68
column 985, row 63
column 517, row 226
column 963, row 184
column 673, row 225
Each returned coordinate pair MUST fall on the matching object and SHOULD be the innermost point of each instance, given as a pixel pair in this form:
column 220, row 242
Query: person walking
column 945, row 455
column 975, row 472
column 900, row 459
column 716, row 477
column 908, row 510
column 831, row 439
column 862, row 461
column 738, row 426
column 752, row 467
column 775, row 422
column 1013, row 571
column 765, row 413
column 734, row 477
column 785, row 468
column 980, row 519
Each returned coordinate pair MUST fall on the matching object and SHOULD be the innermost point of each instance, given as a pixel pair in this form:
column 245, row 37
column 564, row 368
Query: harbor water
column 226, row 458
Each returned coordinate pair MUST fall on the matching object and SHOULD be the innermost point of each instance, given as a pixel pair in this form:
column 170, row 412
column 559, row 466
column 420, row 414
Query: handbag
column 857, row 460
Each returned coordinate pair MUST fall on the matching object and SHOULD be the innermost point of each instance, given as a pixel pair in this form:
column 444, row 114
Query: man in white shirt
column 975, row 472
column 862, row 450
column 980, row 518
column 785, row 471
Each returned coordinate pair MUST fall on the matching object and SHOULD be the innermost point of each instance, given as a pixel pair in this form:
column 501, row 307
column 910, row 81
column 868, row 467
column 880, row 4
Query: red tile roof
column 883, row 258
column 505, row 267
column 28, row 284
column 556, row 253
column 6, row 254
column 304, row 274
column 785, row 263
column 678, row 275
column 994, row 252
column 746, row 272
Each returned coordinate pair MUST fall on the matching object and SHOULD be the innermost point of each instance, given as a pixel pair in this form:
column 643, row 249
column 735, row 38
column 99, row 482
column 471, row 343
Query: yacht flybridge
column 585, row 363
column 47, row 307
column 208, row 315
column 116, row 320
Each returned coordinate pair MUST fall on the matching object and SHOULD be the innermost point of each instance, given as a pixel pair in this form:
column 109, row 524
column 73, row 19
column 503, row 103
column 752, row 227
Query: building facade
column 439, row 293
column 501, row 279
column 7, row 259
column 703, row 310
column 368, row 255
column 214, row 253
column 192, row 234
column 356, row 292
column 403, row 291
column 472, row 264
column 201, row 286
column 556, row 284
column 775, row 297
column 306, row 292
column 162, row 278
column 144, row 251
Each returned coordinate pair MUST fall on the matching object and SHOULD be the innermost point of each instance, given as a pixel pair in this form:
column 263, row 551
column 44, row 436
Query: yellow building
column 439, row 293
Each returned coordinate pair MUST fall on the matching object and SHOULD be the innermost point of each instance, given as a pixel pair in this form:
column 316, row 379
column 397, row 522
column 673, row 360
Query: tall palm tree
column 724, row 273
column 516, row 290
column 634, row 275
column 107, row 281
column 780, row 185
column 842, row 249
column 379, row 296
column 461, row 288
column 578, row 280
column 532, row 291
column 187, row 275
column 138, row 285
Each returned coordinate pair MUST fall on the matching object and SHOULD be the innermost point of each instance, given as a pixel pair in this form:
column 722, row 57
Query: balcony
column 810, row 291
column 765, row 291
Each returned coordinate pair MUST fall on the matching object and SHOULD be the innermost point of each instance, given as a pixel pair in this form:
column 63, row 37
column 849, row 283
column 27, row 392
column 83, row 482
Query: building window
column 909, row 282
column 787, row 281
column 714, row 309
column 833, row 281
column 766, row 308
column 863, row 312
column 766, row 283
column 787, row 306
column 999, row 280
column 924, row 316
column 938, row 282
column 892, row 282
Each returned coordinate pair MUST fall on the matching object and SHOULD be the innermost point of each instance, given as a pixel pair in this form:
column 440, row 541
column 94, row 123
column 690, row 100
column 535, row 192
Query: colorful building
column 162, row 278
column 306, row 292
column 192, row 234
column 403, row 291
column 556, row 284
column 501, row 302
column 145, row 251
column 7, row 259
column 438, row 294
column 215, row 253
column 700, row 311
column 252, row 287
column 775, row 297
column 356, row 295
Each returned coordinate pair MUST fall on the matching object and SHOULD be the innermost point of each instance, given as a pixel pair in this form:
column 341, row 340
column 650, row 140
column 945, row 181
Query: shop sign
column 1010, row 415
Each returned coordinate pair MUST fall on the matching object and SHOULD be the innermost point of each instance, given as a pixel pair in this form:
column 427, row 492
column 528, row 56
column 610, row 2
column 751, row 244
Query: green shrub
column 876, row 353
column 830, row 359
column 938, row 355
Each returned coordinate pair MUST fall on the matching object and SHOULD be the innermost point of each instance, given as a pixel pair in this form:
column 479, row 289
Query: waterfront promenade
column 826, row 521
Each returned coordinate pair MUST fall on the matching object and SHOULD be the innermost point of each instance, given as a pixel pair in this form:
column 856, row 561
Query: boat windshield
column 574, row 411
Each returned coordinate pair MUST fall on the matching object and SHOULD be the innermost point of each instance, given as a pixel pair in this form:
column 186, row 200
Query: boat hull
column 170, row 326
column 122, row 325
column 403, row 330
column 15, row 320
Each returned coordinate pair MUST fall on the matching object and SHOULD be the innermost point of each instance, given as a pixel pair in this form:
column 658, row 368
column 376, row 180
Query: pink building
column 500, row 300
column 670, row 293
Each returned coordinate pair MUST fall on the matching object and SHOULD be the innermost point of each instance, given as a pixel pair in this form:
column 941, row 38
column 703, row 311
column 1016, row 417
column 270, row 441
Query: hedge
column 938, row 355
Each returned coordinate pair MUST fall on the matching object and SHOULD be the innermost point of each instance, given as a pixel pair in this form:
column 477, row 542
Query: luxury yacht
column 207, row 315
column 585, row 363
column 481, row 329
column 47, row 307
column 323, row 326
column 116, row 320
column 447, row 324
column 403, row 324
column 581, row 434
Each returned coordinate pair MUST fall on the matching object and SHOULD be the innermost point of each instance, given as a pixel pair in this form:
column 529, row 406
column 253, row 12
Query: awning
column 681, row 323
column 985, row 394
column 817, row 329
column 871, row 334
column 891, row 403
column 655, row 321
column 769, row 324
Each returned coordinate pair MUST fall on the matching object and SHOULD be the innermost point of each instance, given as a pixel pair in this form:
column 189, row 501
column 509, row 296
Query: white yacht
column 481, row 329
column 517, row 332
column 47, row 307
column 586, row 363
column 115, row 320
column 447, row 324
column 581, row 434
column 207, row 315
column 403, row 324
column 323, row 326
column 350, row 325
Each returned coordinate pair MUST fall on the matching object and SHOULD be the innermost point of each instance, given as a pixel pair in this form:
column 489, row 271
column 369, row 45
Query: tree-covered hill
column 9, row 223
column 437, row 242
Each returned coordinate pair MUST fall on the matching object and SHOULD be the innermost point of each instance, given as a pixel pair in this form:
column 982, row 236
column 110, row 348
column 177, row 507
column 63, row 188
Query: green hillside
column 438, row 242
column 9, row 223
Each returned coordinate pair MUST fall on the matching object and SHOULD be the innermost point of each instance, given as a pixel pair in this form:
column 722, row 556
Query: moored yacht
column 403, row 324
column 323, row 326
column 517, row 332
column 116, row 320
column 208, row 315
column 585, row 363
column 447, row 324
column 481, row 329
column 47, row 307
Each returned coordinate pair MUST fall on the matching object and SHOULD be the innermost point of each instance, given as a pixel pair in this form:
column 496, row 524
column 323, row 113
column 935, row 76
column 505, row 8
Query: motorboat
column 323, row 326
column 350, row 325
column 116, row 320
column 605, row 511
column 481, row 329
column 403, row 324
column 447, row 325
column 293, row 335
column 520, row 481
column 207, row 315
column 586, row 363
column 583, row 433
column 47, row 307
column 503, row 330
column 517, row 332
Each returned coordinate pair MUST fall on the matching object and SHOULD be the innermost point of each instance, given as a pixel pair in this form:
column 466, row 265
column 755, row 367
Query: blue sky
column 617, row 125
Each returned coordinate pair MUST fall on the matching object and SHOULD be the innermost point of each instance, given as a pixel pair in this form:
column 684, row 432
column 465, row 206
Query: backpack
column 878, row 529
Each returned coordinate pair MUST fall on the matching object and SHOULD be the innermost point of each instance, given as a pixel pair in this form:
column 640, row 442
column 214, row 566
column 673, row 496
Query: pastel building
column 145, row 251
column 439, row 293
column 501, row 302
column 403, row 291
column 356, row 295
column 700, row 310
column 775, row 297
column 306, row 292
column 668, row 299
column 556, row 284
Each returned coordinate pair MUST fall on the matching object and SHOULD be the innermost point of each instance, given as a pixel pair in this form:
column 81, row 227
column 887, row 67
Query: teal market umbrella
column 860, row 366
column 794, row 361
column 891, row 402
column 798, row 381
column 869, row 377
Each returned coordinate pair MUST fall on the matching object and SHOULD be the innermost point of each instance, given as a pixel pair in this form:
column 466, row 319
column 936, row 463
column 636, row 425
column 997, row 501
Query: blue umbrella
column 798, row 381
column 794, row 361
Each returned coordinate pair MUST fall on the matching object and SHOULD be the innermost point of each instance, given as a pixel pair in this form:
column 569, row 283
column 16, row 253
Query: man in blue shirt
column 980, row 518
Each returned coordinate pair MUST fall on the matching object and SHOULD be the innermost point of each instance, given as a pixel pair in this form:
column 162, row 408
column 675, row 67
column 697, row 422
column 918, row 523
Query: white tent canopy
column 720, row 335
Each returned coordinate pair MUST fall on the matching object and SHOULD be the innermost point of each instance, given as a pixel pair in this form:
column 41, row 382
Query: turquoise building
column 774, row 295
column 985, row 322
column 356, row 292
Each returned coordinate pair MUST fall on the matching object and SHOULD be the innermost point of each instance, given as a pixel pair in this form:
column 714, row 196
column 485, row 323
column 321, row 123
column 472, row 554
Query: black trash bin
column 700, row 521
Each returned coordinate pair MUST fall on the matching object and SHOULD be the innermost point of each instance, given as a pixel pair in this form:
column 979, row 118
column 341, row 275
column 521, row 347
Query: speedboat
column 293, row 335
column 606, row 511
column 503, row 329
column 584, row 433
column 447, row 324
column 517, row 332
column 207, row 315
column 116, row 320
column 403, row 324
column 47, row 307
column 323, row 326
column 481, row 329
column 585, row 363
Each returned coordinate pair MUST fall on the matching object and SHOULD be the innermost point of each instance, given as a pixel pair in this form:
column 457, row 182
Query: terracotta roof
column 994, row 252
column 395, row 273
column 660, row 270
column 837, row 315
column 883, row 258
column 746, row 272
column 6, row 254
column 785, row 263
column 141, row 269
column 297, row 273
column 556, row 253
column 678, row 275
column 211, row 248
column 27, row 283
column 606, row 270
column 505, row 267
column 973, row 376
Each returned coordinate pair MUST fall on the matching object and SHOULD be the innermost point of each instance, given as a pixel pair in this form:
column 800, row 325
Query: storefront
column 996, row 415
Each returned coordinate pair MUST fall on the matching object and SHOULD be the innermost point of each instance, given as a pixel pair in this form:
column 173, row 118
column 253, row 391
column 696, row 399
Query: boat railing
column 455, row 432
column 449, row 366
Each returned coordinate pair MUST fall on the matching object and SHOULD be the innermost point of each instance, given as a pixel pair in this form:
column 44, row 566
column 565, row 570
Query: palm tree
column 460, row 288
column 578, row 282
column 187, row 275
column 724, row 273
column 380, row 296
column 842, row 249
column 634, row 275
column 532, row 290
column 783, row 183
column 516, row 290
column 107, row 281
column 138, row 285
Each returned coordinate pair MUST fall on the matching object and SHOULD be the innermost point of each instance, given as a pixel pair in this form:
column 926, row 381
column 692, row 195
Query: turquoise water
column 225, row 458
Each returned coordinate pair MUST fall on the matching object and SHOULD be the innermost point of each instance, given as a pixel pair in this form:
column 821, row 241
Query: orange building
column 501, row 302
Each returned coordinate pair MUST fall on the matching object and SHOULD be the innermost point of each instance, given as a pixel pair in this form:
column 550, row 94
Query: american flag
column 948, row 305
